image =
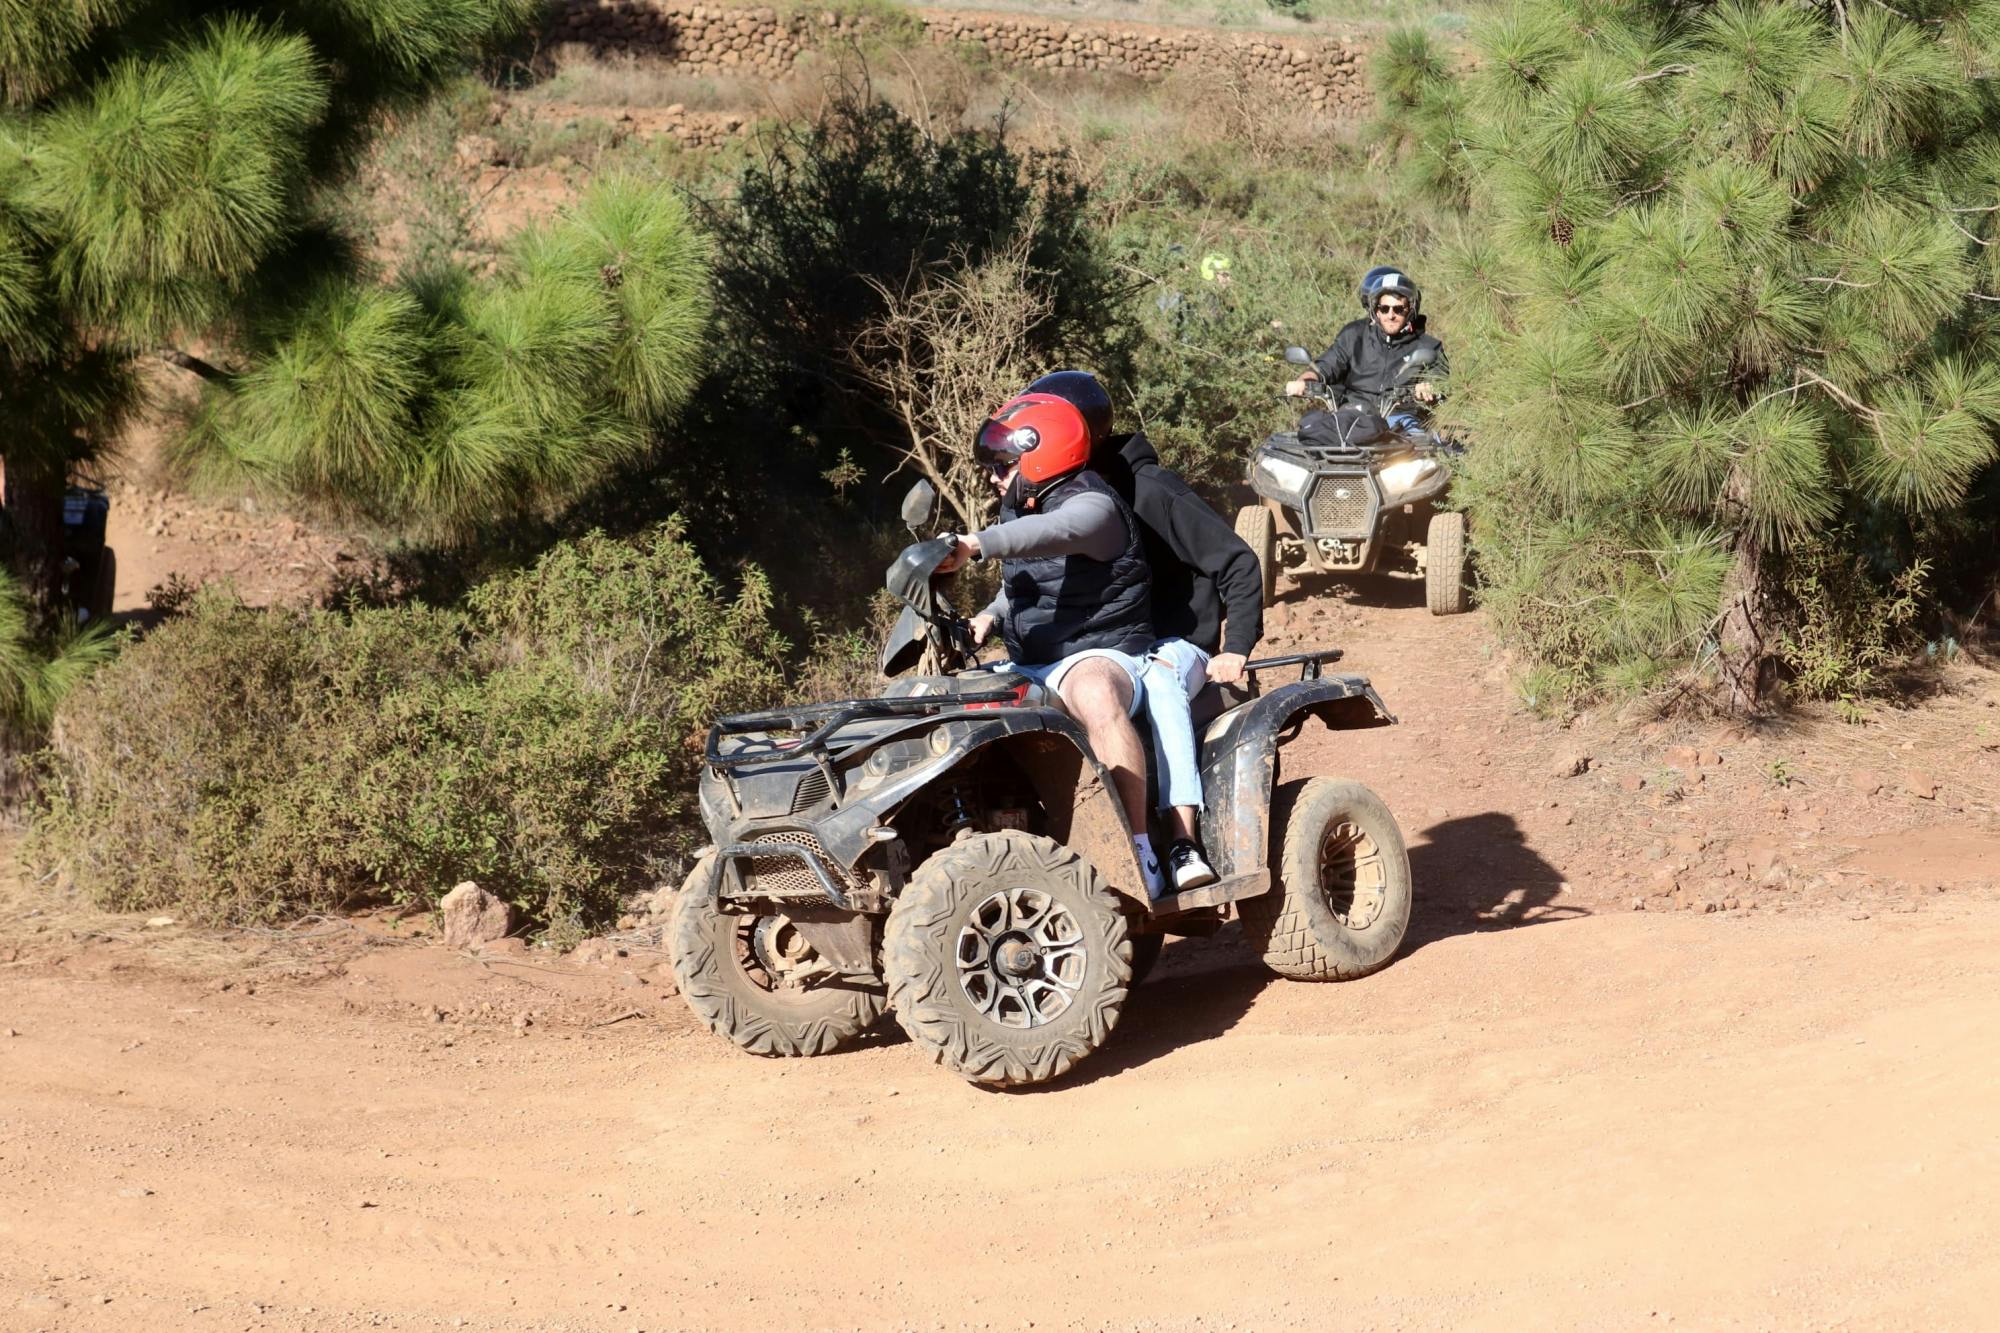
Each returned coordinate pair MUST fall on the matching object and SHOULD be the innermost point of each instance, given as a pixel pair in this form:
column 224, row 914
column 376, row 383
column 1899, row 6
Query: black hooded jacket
column 1364, row 362
column 1201, row 568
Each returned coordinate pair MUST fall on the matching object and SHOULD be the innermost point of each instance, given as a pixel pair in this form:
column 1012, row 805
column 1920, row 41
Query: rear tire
column 1008, row 959
column 1145, row 953
column 1340, row 903
column 1444, row 564
column 718, row 963
column 103, row 587
column 1259, row 532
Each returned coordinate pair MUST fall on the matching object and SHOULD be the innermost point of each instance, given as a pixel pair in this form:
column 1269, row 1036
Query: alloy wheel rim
column 1353, row 877
column 1021, row 958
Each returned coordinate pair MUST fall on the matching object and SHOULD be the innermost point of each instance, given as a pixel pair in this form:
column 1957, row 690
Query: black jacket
column 1363, row 362
column 1201, row 568
column 1062, row 604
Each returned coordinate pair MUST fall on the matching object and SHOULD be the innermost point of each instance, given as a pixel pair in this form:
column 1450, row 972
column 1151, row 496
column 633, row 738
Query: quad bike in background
column 88, row 572
column 90, row 567
column 1358, row 501
column 952, row 850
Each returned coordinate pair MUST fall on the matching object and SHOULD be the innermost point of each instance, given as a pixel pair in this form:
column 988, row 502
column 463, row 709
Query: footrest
column 1247, row 885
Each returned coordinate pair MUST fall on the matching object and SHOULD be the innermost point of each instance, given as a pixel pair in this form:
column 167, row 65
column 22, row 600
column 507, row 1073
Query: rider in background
column 1362, row 365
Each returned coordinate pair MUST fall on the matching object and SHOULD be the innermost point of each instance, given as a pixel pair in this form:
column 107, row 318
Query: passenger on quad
column 1363, row 366
column 1204, row 578
column 1074, row 606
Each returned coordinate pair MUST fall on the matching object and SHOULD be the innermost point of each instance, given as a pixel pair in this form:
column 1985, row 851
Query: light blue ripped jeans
column 1176, row 671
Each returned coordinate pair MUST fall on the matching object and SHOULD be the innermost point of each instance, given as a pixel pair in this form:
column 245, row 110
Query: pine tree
column 166, row 174
column 1726, row 282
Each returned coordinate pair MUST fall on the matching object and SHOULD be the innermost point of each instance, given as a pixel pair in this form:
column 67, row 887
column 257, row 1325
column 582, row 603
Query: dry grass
column 44, row 922
column 615, row 80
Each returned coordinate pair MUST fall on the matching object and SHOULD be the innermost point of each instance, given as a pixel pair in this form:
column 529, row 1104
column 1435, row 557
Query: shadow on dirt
column 1199, row 990
column 1472, row 875
column 1478, row 873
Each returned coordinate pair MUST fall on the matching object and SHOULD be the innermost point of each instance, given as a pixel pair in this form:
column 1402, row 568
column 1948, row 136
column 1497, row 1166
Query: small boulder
column 1632, row 782
column 1682, row 756
column 1921, row 786
column 1570, row 765
column 594, row 953
column 472, row 917
column 1865, row 782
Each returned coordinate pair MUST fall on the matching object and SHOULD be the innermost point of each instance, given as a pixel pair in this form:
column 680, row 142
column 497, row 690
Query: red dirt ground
column 1551, row 1111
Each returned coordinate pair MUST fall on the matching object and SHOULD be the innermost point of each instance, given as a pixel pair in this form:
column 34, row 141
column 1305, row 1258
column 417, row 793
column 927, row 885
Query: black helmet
column 1389, row 278
column 1081, row 390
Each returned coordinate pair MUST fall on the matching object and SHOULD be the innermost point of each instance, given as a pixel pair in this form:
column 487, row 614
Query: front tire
column 1444, row 564
column 1008, row 958
column 750, row 978
column 1259, row 532
column 1341, row 901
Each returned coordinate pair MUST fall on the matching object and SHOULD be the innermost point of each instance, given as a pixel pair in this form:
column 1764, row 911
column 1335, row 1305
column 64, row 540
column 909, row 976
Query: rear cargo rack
column 1309, row 664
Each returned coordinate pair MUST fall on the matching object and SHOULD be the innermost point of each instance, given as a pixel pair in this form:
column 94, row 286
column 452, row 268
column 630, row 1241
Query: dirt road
column 1552, row 1111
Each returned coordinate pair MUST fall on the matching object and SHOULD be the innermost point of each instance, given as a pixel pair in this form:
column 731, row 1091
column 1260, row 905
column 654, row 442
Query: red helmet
column 1044, row 433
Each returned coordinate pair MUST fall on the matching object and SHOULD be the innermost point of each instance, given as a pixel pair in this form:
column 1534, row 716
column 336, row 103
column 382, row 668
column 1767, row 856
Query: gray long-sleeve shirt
column 1087, row 525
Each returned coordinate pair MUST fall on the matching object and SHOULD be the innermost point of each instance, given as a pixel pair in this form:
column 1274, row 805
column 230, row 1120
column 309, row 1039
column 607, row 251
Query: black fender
column 1049, row 747
column 1239, row 760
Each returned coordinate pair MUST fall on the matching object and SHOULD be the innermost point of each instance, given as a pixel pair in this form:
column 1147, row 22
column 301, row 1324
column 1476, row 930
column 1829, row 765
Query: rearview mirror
column 1423, row 356
column 920, row 506
column 1298, row 356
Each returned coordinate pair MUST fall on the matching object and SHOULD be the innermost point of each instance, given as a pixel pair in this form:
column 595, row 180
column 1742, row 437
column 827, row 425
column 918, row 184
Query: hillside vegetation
column 1679, row 367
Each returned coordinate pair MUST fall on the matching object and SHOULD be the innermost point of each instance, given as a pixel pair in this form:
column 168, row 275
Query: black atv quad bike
column 1366, row 502
column 951, row 849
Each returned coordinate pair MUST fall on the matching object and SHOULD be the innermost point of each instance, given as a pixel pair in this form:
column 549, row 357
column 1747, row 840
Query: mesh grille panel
column 1335, row 515
column 787, row 876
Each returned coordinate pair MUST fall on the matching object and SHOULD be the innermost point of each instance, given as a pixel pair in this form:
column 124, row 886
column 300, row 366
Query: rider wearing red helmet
column 1074, row 605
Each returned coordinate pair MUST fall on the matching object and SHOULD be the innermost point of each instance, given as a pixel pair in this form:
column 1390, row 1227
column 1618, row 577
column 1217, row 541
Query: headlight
column 1399, row 479
column 1286, row 478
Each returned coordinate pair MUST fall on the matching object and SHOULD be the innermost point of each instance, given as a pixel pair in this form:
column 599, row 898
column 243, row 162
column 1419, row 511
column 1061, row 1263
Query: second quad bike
column 951, row 849
column 90, row 567
column 1358, row 504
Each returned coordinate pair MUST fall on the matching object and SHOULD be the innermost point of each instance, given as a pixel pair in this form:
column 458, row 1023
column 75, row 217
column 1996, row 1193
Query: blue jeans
column 1176, row 671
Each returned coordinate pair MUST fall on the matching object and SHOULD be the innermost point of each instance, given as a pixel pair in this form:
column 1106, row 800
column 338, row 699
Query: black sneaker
column 1191, row 869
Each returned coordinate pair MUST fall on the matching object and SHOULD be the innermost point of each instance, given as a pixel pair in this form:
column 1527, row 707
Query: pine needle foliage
column 168, row 178
column 1723, row 283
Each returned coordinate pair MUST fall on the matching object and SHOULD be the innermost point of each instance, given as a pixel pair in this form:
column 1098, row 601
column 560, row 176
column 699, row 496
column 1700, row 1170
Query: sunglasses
column 1386, row 309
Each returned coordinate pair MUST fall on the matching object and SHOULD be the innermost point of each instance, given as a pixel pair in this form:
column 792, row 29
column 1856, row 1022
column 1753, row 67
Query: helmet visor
column 999, row 445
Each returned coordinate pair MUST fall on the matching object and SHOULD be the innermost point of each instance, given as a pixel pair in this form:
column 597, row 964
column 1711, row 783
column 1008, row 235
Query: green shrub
column 640, row 622
column 241, row 764
column 1842, row 631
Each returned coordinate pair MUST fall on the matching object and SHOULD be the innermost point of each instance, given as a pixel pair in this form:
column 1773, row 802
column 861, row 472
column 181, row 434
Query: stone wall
column 1325, row 72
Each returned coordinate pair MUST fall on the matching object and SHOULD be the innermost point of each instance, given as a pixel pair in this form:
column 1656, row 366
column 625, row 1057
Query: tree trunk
column 1740, row 639
column 34, row 504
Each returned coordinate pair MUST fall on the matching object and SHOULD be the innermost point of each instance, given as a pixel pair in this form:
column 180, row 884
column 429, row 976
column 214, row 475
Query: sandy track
column 1600, row 1122
column 1550, row 1112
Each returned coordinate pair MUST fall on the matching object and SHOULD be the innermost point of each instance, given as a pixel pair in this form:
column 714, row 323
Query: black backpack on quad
column 951, row 849
column 1349, row 494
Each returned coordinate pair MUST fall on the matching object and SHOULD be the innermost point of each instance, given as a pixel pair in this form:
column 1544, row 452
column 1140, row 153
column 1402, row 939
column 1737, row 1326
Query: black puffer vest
column 1063, row 604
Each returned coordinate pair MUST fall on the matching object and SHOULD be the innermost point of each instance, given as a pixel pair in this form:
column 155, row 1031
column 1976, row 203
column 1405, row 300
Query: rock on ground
column 472, row 917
